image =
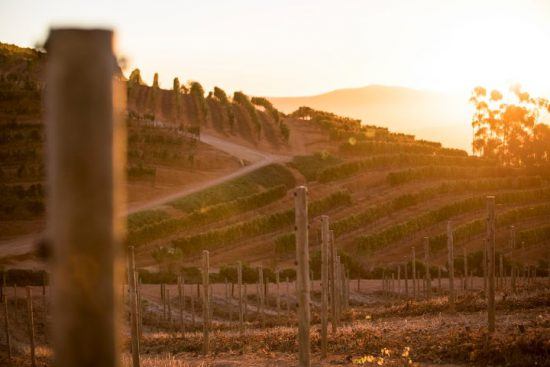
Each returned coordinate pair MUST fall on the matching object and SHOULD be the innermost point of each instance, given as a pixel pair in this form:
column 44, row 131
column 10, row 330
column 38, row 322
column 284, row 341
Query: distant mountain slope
column 429, row 115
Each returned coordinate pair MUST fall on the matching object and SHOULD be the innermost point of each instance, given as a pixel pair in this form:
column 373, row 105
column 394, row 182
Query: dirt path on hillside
column 255, row 158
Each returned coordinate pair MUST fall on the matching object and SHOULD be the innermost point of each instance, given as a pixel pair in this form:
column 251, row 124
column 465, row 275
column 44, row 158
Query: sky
column 292, row 48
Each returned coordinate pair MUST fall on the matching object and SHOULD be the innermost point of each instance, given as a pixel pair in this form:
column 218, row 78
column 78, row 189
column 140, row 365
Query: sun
column 495, row 52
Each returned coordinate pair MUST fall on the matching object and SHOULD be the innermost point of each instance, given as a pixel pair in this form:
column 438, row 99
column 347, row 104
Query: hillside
column 384, row 191
column 429, row 115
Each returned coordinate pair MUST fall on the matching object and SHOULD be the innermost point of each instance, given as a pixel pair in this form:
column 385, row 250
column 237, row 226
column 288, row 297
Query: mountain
column 429, row 115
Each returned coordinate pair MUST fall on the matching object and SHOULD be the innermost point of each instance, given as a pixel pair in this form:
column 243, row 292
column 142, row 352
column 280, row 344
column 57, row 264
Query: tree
column 510, row 128
column 156, row 81
column 135, row 78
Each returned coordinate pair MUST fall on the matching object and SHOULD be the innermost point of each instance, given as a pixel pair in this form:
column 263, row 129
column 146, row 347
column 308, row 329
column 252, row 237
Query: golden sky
column 291, row 47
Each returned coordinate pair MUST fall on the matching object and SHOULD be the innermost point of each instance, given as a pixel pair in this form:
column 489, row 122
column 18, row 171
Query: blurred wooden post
column 359, row 284
column 302, row 281
column 227, row 303
column 414, row 272
column 86, row 165
column 338, row 285
column 491, row 262
column 240, row 294
column 30, row 326
column 427, row 264
column 15, row 304
column 206, row 301
column 133, row 306
column 325, row 238
column 450, row 252
column 7, row 325
column 332, row 276
column 485, row 246
column 465, row 268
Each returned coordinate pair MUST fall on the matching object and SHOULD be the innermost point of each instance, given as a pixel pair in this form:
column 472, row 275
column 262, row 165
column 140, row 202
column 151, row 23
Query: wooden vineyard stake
column 139, row 305
column 514, row 266
column 491, row 263
column 332, row 282
column 30, row 326
column 427, row 265
column 302, row 273
column 325, row 239
column 133, row 306
column 192, row 311
column 206, row 301
column 399, row 278
column 450, row 253
column 278, row 295
column 465, row 268
column 181, row 301
column 288, row 298
column 261, row 294
column 169, row 307
column 439, row 279
column 414, row 272
column 406, row 281
column 245, row 302
column 501, row 271
column 240, row 295
column 7, row 325
column 86, row 171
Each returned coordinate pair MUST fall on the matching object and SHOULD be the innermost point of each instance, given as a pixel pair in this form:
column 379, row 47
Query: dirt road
column 254, row 158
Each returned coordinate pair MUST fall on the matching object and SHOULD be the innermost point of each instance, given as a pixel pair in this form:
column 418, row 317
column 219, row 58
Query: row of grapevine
column 383, row 147
column 375, row 212
column 285, row 243
column 159, row 229
column 534, row 235
column 264, row 224
column 401, row 230
column 348, row 169
column 413, row 174
column 473, row 228
column 265, row 177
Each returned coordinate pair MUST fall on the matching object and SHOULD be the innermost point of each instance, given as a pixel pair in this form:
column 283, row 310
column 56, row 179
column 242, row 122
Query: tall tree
column 510, row 128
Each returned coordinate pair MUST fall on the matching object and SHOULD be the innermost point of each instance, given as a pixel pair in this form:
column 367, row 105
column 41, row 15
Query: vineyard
column 338, row 243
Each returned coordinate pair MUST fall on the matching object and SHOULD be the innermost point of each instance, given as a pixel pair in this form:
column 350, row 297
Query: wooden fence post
column 414, row 272
column 169, row 304
column 192, row 310
column 206, row 301
column 427, row 265
column 325, row 238
column 30, row 326
column 302, row 273
column 439, row 279
column 86, row 159
column 139, row 306
column 245, row 302
column 7, row 325
column 133, row 306
column 450, row 252
column 491, row 262
column 240, row 294
column 501, row 271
